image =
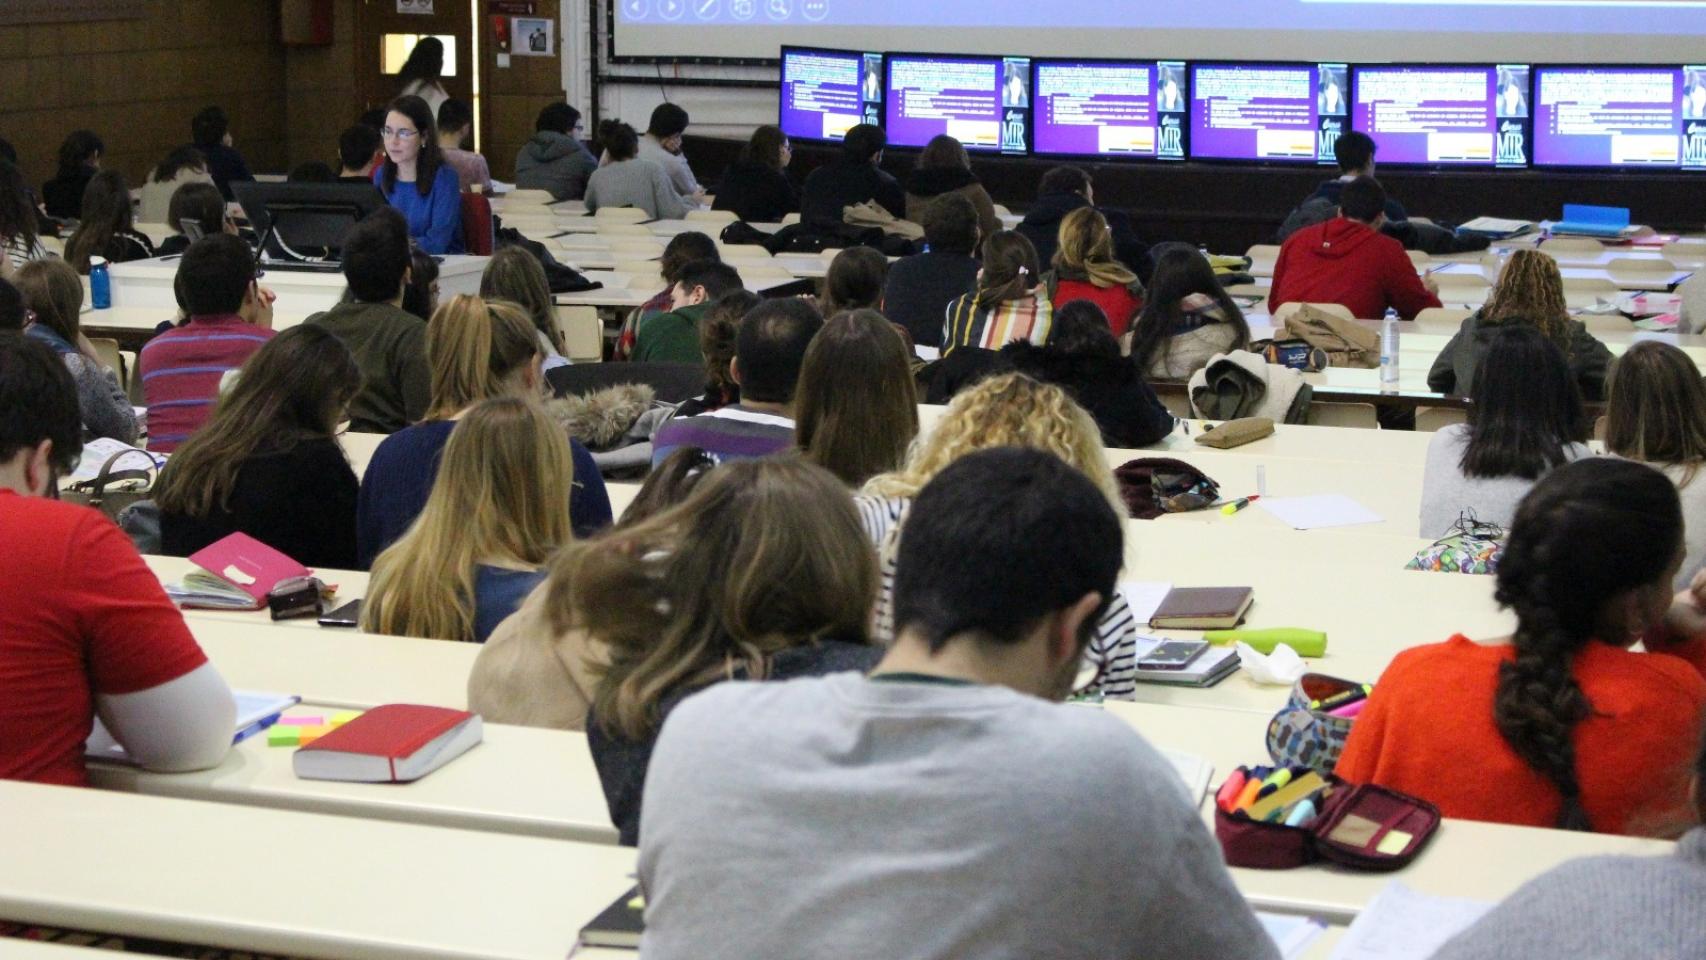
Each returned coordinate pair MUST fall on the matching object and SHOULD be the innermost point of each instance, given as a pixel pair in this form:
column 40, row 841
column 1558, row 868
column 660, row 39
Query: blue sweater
column 394, row 490
column 435, row 220
column 497, row 594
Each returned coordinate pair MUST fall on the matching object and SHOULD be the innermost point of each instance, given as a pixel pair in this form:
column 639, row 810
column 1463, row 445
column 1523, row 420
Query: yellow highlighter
column 1307, row 643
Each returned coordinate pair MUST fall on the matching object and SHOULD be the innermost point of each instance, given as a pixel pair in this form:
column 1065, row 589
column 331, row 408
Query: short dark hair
column 454, row 114
column 558, row 118
column 1081, row 329
column 667, row 121
column 683, row 250
column 357, row 145
column 951, row 224
column 1354, row 150
column 1363, row 199
column 771, row 347
column 715, row 276
column 216, row 272
column 376, row 255
column 38, row 401
column 209, row 126
column 863, row 142
column 1064, row 180
column 995, row 518
column 12, row 309
column 199, row 203
column 619, row 139
column 77, row 149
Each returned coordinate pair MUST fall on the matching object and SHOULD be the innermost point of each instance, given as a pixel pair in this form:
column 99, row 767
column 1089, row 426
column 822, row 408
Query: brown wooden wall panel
column 515, row 94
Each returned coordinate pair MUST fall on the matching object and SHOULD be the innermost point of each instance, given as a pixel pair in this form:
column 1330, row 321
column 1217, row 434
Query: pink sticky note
column 301, row 720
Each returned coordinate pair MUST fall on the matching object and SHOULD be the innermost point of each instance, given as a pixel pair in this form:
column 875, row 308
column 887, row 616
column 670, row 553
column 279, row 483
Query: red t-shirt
column 80, row 615
column 1428, row 731
column 1349, row 263
column 1117, row 302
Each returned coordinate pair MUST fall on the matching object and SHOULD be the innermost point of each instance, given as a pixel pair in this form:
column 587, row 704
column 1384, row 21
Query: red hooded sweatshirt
column 1350, row 263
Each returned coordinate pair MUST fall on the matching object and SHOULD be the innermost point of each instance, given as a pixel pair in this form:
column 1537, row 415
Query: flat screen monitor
column 827, row 92
column 1630, row 117
column 298, row 220
column 1444, row 115
column 1267, row 112
column 984, row 102
column 1108, row 108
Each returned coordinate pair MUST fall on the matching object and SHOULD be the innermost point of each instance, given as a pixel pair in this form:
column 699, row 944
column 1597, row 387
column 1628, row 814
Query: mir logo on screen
column 1013, row 131
column 1170, row 137
column 1513, row 144
column 1694, row 145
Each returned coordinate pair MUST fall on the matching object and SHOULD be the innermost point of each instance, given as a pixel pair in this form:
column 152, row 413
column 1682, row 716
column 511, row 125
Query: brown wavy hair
column 856, row 406
column 1531, row 290
column 1656, row 408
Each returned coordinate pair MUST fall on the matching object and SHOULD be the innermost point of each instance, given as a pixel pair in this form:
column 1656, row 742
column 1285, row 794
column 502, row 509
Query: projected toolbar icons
column 814, row 9
column 635, row 9
column 672, row 9
column 743, row 9
column 707, row 9
column 779, row 9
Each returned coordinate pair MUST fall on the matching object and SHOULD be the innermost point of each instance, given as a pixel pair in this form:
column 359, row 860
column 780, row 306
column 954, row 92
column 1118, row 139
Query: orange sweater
column 1428, row 731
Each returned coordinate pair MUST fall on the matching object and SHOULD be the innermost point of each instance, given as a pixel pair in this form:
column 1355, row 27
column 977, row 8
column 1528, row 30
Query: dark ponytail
column 1588, row 533
column 1010, row 268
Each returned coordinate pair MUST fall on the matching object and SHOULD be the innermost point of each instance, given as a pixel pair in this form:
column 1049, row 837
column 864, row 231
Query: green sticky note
column 281, row 736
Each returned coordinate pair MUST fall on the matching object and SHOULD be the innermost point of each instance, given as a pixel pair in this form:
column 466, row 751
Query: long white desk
column 148, row 284
column 337, row 668
column 298, row 884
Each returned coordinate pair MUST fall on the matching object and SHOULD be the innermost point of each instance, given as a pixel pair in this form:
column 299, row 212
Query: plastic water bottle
column 100, row 283
column 1389, row 353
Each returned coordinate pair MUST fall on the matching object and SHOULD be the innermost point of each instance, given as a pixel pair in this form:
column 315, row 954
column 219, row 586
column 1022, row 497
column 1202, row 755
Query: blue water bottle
column 100, row 283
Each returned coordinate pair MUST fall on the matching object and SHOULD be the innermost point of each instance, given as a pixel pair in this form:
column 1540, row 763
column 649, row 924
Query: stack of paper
column 1292, row 935
column 1401, row 924
column 203, row 590
column 1318, row 512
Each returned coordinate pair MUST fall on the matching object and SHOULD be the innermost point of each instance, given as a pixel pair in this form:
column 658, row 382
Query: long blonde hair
column 1531, row 290
column 502, row 494
column 1010, row 410
column 473, row 346
column 763, row 556
column 1087, row 247
column 516, row 275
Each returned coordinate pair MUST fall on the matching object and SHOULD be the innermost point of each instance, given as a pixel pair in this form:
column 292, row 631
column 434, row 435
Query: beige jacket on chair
column 530, row 676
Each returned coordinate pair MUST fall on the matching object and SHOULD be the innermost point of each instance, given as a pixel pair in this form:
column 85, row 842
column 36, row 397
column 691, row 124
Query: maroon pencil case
column 1364, row 826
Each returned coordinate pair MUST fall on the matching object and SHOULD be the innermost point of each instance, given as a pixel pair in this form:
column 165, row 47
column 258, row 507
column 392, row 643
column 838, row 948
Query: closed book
column 1215, row 665
column 395, row 743
column 245, row 566
column 620, row 925
column 1203, row 608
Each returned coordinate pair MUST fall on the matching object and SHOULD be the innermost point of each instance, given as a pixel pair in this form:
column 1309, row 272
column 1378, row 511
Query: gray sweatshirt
column 851, row 817
column 635, row 183
column 1607, row 908
column 1447, row 493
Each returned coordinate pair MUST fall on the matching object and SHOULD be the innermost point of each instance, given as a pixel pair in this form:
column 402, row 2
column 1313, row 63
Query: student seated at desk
column 479, row 351
column 20, row 229
column 1526, row 420
column 388, row 342
column 1354, row 151
column 182, row 166
column 210, row 132
column 200, row 206
column 497, row 512
column 1010, row 302
column 1559, row 725
column 920, row 287
column 627, row 180
column 662, row 146
column 673, row 337
column 455, row 123
column 1608, row 908
column 1348, row 261
column 516, row 275
column 854, row 281
column 1083, row 357
column 106, row 227
column 1008, row 410
column 1188, row 318
column 682, row 250
column 230, row 318
column 1084, row 268
column 946, row 805
column 856, row 401
column 84, row 625
column 54, row 296
column 1656, row 414
column 417, row 181
column 769, row 351
column 267, row 462
column 854, row 177
column 1063, row 190
column 79, row 159
column 761, row 574
column 756, row 187
column 555, row 160
column 360, row 151
column 719, row 329
column 943, row 169
column 1530, row 291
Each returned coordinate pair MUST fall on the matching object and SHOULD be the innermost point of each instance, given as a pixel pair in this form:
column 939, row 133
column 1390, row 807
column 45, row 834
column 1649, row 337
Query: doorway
column 387, row 31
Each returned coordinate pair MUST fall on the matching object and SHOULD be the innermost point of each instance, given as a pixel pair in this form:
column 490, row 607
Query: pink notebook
column 248, row 564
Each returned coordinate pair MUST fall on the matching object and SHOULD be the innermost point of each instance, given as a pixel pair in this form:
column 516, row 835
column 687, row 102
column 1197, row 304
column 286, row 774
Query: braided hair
column 1588, row 533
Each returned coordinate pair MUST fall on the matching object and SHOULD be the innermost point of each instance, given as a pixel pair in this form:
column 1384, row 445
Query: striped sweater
column 968, row 325
column 181, row 369
column 1113, row 648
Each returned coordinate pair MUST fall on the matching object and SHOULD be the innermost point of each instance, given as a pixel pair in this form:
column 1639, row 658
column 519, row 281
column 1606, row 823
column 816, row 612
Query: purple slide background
column 1238, row 143
column 1413, row 147
column 1560, row 150
column 1083, row 139
column 906, row 131
column 808, row 124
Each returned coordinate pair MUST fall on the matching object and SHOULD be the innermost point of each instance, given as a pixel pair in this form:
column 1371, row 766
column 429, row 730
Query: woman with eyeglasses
column 416, row 180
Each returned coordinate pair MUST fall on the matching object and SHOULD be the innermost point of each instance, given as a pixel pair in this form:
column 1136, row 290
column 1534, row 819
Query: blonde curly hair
column 1531, row 290
column 1010, row 410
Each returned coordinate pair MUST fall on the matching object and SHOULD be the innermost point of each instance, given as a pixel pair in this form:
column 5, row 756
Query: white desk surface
column 15, row 948
column 520, row 780
column 337, row 668
column 148, row 284
column 351, row 584
column 299, row 884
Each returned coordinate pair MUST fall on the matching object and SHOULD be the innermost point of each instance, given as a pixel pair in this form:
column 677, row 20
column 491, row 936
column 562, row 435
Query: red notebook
column 395, row 743
column 246, row 564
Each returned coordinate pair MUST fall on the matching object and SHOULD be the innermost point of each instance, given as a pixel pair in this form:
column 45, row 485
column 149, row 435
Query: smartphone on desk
column 1173, row 655
column 348, row 615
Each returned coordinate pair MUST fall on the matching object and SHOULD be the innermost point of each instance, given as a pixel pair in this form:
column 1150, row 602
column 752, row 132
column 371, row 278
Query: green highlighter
column 1307, row 643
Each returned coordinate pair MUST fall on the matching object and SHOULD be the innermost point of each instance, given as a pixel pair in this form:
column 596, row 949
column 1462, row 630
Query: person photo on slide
column 1332, row 99
column 1169, row 99
column 1013, row 93
column 873, row 78
column 1513, row 96
column 1694, row 95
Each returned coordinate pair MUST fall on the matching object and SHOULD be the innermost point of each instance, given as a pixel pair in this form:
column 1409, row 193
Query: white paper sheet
column 1318, row 512
column 1292, row 935
column 1401, row 924
column 1144, row 597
